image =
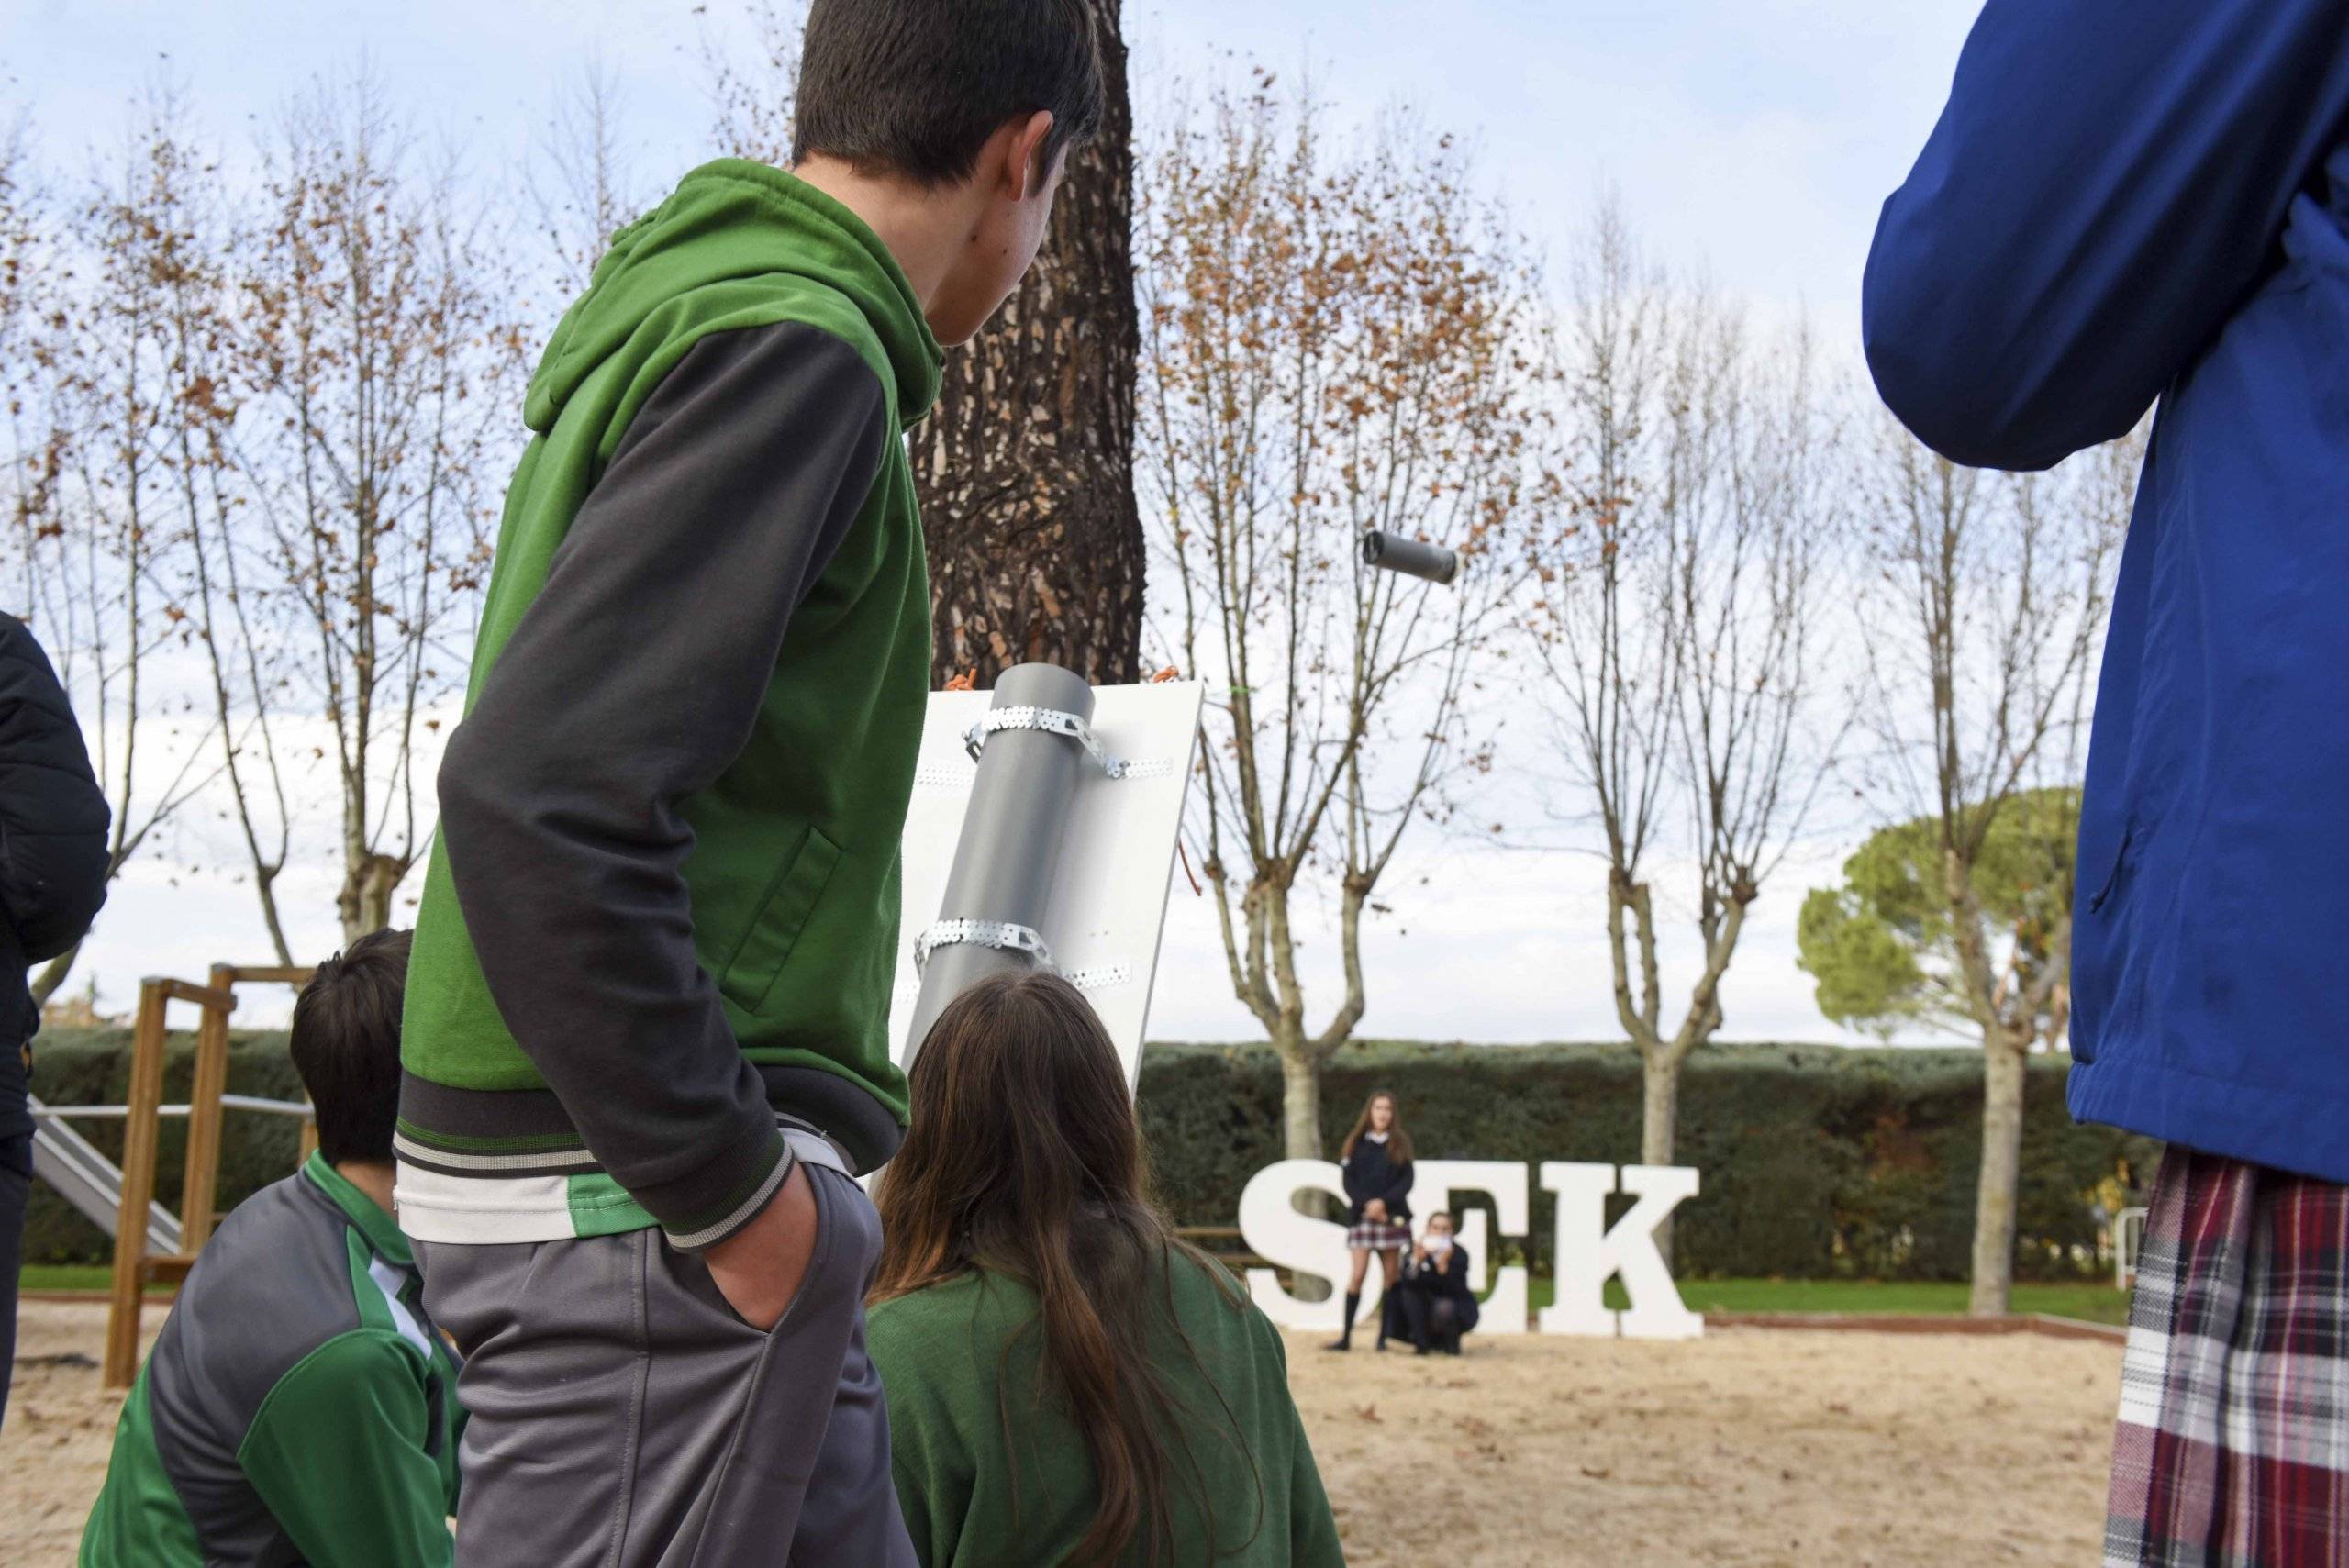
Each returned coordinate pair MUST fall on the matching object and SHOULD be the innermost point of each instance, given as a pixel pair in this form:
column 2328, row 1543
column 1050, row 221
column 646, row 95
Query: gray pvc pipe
column 1010, row 845
column 1392, row 552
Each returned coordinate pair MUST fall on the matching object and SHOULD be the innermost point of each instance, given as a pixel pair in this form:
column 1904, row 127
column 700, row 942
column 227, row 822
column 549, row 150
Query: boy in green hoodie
column 645, row 1033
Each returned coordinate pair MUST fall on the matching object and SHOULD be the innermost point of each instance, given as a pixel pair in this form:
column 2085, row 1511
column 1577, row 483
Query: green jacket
column 298, row 1406
column 959, row 1363
column 663, row 904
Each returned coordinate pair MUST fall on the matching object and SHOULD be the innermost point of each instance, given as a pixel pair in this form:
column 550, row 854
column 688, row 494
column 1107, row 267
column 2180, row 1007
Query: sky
column 1759, row 134
column 1756, row 138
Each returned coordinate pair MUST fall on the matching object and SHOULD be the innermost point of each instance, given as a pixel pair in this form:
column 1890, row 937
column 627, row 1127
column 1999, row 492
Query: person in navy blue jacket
column 1434, row 1298
column 2128, row 201
column 52, row 878
column 1375, row 1160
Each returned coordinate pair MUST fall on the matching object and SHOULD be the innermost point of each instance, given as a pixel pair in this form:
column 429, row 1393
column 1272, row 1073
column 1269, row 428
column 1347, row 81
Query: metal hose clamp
column 1007, row 937
column 1001, row 935
column 1052, row 721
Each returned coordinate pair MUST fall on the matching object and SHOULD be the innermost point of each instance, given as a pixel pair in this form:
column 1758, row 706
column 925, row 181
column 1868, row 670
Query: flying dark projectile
column 1390, row 552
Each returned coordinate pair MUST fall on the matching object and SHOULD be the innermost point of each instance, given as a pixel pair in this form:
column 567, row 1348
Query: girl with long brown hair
column 1067, row 1382
column 1378, row 1160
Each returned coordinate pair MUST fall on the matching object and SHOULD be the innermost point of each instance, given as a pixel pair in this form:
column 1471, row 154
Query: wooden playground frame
column 134, row 1267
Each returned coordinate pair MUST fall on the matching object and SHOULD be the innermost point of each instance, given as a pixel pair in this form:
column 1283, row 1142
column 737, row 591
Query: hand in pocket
column 759, row 1269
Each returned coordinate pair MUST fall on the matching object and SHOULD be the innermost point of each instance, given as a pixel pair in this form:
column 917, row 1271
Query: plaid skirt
column 2232, row 1449
column 1377, row 1235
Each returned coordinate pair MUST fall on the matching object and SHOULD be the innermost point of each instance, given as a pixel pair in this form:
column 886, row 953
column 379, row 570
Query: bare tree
column 1331, row 344
column 1988, row 610
column 753, row 90
column 582, row 183
column 1681, row 621
column 1599, row 622
column 186, row 239
column 31, row 304
column 381, row 345
column 93, row 408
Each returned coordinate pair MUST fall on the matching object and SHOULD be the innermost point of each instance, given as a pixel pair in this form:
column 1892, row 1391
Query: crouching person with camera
column 1433, row 1296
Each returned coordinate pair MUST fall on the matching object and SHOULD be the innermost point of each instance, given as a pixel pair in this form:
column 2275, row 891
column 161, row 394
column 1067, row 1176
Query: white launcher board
column 1116, row 856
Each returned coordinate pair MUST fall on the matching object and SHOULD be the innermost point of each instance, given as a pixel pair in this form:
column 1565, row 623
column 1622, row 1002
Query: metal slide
column 91, row 1182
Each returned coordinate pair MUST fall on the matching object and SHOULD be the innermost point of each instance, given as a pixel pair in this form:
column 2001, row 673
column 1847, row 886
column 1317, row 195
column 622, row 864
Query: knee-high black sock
column 1353, row 1305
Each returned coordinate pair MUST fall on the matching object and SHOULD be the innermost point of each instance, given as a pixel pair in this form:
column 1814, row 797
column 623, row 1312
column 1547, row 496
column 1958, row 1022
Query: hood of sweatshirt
column 734, row 219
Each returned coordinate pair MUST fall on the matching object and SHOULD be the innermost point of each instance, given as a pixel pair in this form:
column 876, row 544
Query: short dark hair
column 915, row 87
column 346, row 1045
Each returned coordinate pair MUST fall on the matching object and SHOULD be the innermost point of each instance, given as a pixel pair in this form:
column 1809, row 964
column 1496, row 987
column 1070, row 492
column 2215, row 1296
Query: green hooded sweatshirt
column 660, row 918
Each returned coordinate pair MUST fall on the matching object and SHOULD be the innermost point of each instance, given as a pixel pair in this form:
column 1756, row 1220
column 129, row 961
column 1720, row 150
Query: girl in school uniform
column 1435, row 1299
column 1377, row 1159
column 1067, row 1383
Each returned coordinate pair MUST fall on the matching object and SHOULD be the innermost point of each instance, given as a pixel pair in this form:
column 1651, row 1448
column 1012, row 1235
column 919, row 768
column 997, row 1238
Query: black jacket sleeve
column 1457, row 1272
column 632, row 682
column 1453, row 1283
column 1356, row 1178
column 1421, row 1273
column 1398, row 1188
column 53, row 817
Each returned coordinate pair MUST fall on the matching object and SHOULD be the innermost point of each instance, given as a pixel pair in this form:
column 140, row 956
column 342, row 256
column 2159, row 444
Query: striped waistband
column 805, row 1142
column 527, row 1132
column 472, row 1209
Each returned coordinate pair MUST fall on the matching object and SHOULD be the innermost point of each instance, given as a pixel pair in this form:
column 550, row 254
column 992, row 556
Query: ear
column 1023, row 166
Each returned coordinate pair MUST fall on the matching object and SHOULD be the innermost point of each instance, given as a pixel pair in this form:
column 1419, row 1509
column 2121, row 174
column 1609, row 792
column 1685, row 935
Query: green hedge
column 90, row 1067
column 1817, row 1162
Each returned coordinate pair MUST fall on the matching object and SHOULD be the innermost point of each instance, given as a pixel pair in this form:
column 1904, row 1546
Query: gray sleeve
column 631, row 683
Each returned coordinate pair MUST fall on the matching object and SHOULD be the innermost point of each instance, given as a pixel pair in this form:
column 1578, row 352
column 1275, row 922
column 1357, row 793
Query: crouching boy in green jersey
column 299, row 1407
column 647, row 1042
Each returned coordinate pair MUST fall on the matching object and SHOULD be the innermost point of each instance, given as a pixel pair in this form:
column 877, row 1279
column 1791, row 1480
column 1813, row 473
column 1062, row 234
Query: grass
column 96, row 1279
column 2089, row 1303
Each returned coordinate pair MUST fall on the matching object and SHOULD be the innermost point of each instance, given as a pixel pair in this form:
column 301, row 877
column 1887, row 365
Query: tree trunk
column 266, row 887
column 1301, row 1101
column 365, row 902
column 1301, row 1140
column 1025, row 469
column 1659, row 1121
column 53, row 973
column 1994, row 1204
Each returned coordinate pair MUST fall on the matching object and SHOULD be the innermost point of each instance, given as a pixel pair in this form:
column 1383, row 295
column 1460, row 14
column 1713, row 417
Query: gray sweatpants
column 623, row 1416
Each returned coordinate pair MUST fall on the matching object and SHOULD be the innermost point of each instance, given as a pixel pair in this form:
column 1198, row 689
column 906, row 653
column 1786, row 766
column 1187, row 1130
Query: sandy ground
column 60, row 1426
column 1748, row 1449
column 1751, row 1448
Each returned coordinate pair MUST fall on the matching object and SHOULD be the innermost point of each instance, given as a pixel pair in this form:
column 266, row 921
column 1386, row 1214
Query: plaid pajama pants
column 2232, row 1449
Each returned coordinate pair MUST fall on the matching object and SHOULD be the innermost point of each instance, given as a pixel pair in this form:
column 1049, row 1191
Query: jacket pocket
column 784, row 911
